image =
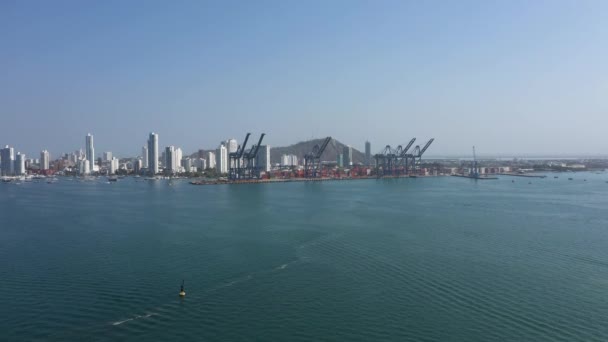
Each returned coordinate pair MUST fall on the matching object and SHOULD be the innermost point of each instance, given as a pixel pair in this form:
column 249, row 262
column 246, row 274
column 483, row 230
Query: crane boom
column 323, row 146
column 407, row 147
column 240, row 151
column 426, row 146
column 253, row 153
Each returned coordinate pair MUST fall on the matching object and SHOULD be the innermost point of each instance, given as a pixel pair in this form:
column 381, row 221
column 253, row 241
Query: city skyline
column 232, row 143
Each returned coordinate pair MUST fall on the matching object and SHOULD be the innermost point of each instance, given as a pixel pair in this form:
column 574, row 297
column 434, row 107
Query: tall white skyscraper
column 153, row 153
column 45, row 160
column 178, row 159
column 210, row 160
column 7, row 160
column 90, row 151
column 113, row 165
column 144, row 156
column 221, row 159
column 20, row 164
column 263, row 158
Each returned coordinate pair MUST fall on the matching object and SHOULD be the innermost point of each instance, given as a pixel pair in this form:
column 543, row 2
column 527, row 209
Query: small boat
column 182, row 293
column 112, row 179
column 570, row 178
column 555, row 177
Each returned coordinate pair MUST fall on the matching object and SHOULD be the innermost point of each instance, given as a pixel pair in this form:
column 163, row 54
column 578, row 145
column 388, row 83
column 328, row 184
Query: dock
column 295, row 179
column 522, row 175
column 476, row 178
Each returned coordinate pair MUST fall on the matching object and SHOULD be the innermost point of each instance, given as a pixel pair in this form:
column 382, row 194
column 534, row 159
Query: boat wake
column 132, row 319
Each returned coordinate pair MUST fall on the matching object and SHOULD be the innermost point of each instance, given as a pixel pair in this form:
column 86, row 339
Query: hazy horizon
column 512, row 78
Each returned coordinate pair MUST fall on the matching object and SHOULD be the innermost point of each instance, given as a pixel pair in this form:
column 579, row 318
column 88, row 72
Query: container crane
column 474, row 171
column 251, row 169
column 404, row 156
column 385, row 159
column 417, row 155
column 312, row 160
column 234, row 159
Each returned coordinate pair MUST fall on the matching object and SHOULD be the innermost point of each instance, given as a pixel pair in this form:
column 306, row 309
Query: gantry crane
column 417, row 155
column 234, row 158
column 252, row 170
column 312, row 160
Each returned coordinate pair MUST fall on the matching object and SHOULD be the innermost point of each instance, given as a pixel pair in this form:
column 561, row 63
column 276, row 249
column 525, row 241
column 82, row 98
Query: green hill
column 300, row 149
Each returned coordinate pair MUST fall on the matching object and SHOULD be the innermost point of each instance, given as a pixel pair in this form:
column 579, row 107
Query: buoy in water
column 182, row 293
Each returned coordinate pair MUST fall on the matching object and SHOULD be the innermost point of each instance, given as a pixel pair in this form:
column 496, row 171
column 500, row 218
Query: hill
column 300, row 149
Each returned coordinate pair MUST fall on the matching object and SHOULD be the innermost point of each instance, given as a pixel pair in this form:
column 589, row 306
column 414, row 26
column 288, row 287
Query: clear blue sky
column 513, row 77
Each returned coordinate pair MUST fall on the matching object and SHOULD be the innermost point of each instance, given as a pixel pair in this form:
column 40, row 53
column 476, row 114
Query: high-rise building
column 84, row 167
column 113, row 165
column 144, row 156
column 289, row 160
column 45, row 160
column 90, row 151
column 153, row 153
column 347, row 151
column 221, row 159
column 186, row 163
column 232, row 145
column 170, row 166
column 202, row 164
column 138, row 165
column 177, row 162
column 211, row 160
column 368, row 153
column 340, row 160
column 20, row 164
column 7, row 161
column 262, row 160
column 107, row 156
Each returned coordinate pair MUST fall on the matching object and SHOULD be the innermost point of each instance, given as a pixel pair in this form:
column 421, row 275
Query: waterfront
column 435, row 259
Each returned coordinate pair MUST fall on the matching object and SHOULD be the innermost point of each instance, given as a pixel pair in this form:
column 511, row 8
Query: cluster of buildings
column 289, row 160
column 12, row 164
column 169, row 161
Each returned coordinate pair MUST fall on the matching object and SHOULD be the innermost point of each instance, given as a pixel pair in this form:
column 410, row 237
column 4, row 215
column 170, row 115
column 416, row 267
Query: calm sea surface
column 426, row 259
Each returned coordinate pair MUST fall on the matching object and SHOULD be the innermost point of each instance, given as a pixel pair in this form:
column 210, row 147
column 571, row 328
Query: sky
column 510, row 77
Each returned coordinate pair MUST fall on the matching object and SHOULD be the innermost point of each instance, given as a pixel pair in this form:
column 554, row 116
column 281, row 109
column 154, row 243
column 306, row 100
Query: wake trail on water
column 205, row 294
column 133, row 318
